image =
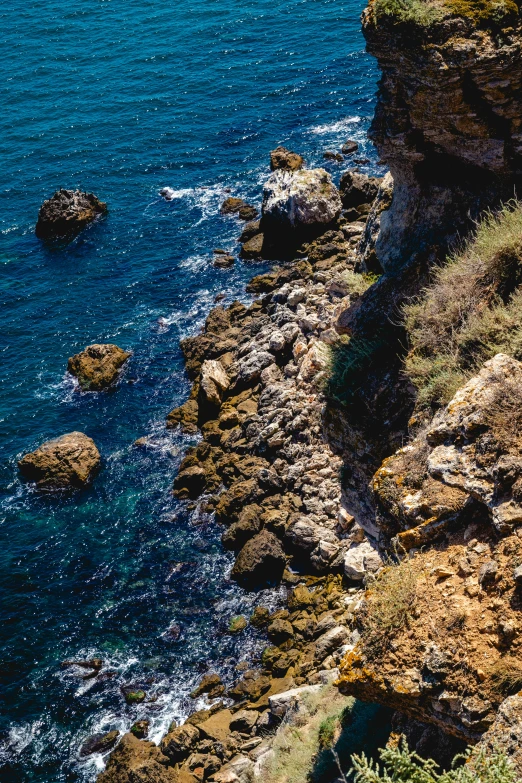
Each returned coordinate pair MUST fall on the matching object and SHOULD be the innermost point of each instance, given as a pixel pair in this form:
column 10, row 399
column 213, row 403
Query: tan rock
column 98, row 366
column 69, row 461
column 137, row 761
column 214, row 381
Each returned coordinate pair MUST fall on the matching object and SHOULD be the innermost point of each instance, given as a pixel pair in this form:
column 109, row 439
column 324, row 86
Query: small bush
column 390, row 601
column 425, row 12
column 506, row 677
column 422, row 12
column 400, row 765
column 471, row 311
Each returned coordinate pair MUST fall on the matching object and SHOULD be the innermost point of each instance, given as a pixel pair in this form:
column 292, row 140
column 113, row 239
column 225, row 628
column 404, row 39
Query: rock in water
column 67, row 213
column 260, row 563
column 99, row 743
column 98, row 366
column 137, row 761
column 282, row 159
column 298, row 205
column 66, row 462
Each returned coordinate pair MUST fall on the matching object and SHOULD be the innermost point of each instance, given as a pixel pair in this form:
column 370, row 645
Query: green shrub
column 471, row 311
column 401, row 765
column 424, row 12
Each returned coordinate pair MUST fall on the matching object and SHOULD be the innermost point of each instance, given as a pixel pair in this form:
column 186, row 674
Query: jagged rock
column 282, row 702
column 505, row 733
column 457, row 459
column 244, row 721
column 97, row 366
column 207, row 684
column 248, row 524
column 298, row 204
column 252, row 248
column 99, row 743
column 366, row 252
column 356, row 189
column 247, row 212
column 250, row 231
column 251, row 686
column 280, row 631
column 67, row 213
column 282, row 159
column 69, row 461
column 213, row 381
column 179, row 742
column 360, row 560
column 186, row 416
column 330, row 641
column 223, row 261
column 137, row 761
column 232, row 205
column 442, row 185
column 260, row 563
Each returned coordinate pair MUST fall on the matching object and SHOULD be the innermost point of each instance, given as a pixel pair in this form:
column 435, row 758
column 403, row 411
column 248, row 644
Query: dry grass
column 312, row 725
column 390, row 601
column 505, row 676
column 503, row 416
column 471, row 311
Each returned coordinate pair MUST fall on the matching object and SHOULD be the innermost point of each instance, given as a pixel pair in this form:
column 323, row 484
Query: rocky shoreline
column 265, row 469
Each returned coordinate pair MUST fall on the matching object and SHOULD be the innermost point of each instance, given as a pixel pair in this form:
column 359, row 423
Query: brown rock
column 349, row 147
column 217, row 727
column 247, row 212
column 253, row 248
column 137, row 761
column 67, row 213
column 260, row 563
column 282, row 158
column 357, row 189
column 250, row 230
column 186, row 416
column 98, row 366
column 207, row 683
column 69, row 461
column 99, row 743
column 179, row 742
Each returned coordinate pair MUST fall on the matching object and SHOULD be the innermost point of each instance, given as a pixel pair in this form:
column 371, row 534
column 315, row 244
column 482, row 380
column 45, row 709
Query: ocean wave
column 341, row 126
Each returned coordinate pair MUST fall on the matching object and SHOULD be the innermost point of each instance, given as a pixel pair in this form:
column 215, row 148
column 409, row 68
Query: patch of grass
column 486, row 13
column 503, row 416
column 402, row 765
column 506, row 677
column 471, row 311
column 389, row 604
column 357, row 283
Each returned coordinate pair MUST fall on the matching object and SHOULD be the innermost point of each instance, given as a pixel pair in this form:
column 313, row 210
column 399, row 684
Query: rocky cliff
column 448, row 122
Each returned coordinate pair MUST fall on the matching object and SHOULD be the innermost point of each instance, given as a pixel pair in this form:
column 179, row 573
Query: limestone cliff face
column 448, row 124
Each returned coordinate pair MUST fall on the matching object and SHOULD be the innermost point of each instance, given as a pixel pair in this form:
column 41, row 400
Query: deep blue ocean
column 122, row 98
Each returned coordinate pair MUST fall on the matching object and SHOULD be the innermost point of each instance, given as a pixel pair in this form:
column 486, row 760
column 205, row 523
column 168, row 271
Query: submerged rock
column 98, row 366
column 99, row 743
column 349, row 147
column 67, row 213
column 69, row 461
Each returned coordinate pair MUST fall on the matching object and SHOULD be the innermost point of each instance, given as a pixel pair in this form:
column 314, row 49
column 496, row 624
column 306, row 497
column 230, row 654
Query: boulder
column 236, row 206
column 97, row 367
column 208, row 684
column 99, row 743
column 247, row 212
column 357, row 189
column 67, row 213
column 282, row 159
column 252, row 248
column 250, row 230
column 349, row 147
column 298, row 205
column 244, row 721
column 69, row 461
column 180, row 742
column 238, row 770
column 330, row 641
column 260, row 563
column 248, row 524
column 282, row 702
column 360, row 560
column 214, row 381
column 137, row 761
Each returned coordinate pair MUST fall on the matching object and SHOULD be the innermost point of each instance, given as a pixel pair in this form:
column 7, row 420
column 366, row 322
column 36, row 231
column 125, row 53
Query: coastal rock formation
column 67, row 213
column 282, row 159
column 260, row 562
column 447, row 123
column 98, row 366
column 297, row 205
column 467, row 456
column 69, row 461
column 136, row 760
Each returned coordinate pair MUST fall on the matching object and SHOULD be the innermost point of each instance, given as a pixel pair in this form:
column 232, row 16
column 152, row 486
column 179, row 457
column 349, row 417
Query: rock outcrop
column 69, row 461
column 447, row 123
column 98, row 366
column 137, row 761
column 467, row 457
column 282, row 159
column 67, row 213
column 298, row 205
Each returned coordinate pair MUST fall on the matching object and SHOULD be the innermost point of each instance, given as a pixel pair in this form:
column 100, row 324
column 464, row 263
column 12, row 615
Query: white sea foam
column 341, row 126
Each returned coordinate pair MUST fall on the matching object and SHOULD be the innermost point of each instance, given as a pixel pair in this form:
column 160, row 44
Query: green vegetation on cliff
column 471, row 311
column 400, row 765
column 425, row 12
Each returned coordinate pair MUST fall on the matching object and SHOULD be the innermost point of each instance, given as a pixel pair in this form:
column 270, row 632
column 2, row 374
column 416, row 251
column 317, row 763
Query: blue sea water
column 121, row 98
